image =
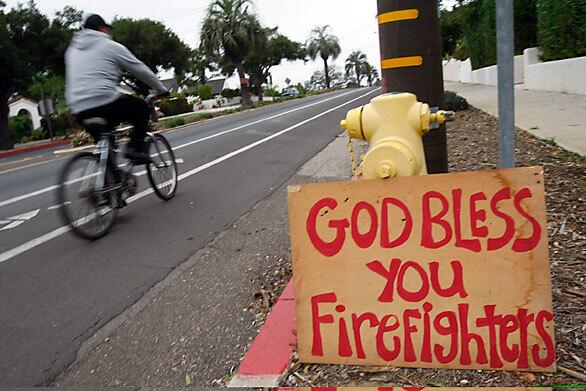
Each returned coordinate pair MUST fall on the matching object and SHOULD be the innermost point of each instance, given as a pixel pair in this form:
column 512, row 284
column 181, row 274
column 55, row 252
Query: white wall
column 455, row 70
column 487, row 76
column 29, row 106
column 568, row 76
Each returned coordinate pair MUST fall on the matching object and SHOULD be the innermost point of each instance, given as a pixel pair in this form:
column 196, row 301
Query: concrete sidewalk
column 548, row 115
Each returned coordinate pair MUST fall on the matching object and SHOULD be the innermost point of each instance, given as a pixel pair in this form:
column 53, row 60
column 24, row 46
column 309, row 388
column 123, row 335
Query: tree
column 276, row 49
column 355, row 63
column 371, row 73
column 31, row 46
column 318, row 80
column 325, row 45
column 152, row 43
column 48, row 87
column 197, row 65
column 229, row 33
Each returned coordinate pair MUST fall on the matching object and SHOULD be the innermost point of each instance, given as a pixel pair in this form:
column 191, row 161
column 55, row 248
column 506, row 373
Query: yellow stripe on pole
column 401, row 62
column 395, row 16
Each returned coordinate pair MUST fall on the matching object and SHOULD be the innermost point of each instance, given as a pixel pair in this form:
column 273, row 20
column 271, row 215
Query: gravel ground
column 473, row 145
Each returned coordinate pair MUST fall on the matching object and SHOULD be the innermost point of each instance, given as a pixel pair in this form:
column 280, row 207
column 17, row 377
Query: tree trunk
column 327, row 73
column 257, row 83
column 246, row 101
column 259, row 92
column 5, row 137
column 358, row 74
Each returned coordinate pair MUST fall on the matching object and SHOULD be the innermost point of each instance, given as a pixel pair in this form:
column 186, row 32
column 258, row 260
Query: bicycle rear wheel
column 162, row 172
column 88, row 211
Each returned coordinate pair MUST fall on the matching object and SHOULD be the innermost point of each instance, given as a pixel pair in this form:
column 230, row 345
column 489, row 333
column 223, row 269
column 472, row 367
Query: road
column 57, row 290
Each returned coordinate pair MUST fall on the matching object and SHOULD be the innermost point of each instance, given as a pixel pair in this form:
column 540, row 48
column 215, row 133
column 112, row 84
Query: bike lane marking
column 51, row 188
column 7, row 255
column 15, row 221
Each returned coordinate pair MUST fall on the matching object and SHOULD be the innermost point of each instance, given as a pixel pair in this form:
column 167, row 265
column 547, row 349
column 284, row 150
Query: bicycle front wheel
column 162, row 172
column 86, row 197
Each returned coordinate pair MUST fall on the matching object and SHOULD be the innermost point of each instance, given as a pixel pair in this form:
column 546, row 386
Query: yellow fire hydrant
column 394, row 124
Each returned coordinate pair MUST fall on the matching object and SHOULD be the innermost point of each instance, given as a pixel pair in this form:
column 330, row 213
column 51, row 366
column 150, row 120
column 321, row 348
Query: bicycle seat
column 98, row 125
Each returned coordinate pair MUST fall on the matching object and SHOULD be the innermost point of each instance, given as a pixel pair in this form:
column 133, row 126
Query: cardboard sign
column 438, row 271
column 417, row 389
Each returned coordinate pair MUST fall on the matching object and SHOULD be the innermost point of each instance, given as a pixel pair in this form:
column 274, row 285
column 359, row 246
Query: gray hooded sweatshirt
column 94, row 64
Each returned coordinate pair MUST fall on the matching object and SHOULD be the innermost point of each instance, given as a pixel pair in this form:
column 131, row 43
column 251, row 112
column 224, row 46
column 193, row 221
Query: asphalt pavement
column 56, row 290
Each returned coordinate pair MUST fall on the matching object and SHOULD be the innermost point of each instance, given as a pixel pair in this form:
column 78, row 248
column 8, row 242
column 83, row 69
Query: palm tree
column 356, row 62
column 229, row 33
column 324, row 44
column 370, row 72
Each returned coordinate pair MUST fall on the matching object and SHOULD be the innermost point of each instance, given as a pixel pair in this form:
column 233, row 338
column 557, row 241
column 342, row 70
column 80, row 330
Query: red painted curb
column 33, row 148
column 272, row 350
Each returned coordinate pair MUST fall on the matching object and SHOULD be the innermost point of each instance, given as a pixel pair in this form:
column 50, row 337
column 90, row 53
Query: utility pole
column 505, row 37
column 411, row 61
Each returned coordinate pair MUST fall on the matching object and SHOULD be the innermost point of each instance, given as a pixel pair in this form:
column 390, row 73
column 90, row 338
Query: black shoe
column 138, row 157
column 120, row 202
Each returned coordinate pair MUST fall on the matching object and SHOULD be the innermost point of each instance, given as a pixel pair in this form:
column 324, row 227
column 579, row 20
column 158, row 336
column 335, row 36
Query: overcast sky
column 352, row 21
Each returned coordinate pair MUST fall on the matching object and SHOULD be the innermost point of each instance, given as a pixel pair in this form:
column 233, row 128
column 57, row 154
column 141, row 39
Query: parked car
column 291, row 91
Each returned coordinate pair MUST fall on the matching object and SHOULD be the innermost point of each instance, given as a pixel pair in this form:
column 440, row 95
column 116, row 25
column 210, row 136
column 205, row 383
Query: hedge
column 175, row 106
column 562, row 28
column 478, row 24
column 230, row 93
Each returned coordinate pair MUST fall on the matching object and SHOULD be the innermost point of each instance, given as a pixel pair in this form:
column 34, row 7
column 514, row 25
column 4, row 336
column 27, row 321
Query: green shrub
column 21, row 127
column 63, row 124
column 455, row 102
column 38, row 134
column 271, row 91
column 175, row 106
column 203, row 116
column 562, row 28
column 205, row 92
column 230, row 93
column 174, row 122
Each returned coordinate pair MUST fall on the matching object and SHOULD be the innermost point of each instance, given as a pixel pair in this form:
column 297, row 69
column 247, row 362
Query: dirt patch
column 473, row 145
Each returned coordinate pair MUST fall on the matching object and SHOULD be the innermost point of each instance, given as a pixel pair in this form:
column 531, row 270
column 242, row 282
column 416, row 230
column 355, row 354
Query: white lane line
column 5, row 256
column 259, row 121
column 51, row 188
column 15, row 221
column 28, row 195
column 54, row 207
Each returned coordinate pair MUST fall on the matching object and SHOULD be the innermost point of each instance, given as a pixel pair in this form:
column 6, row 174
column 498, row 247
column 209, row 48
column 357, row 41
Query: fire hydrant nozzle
column 394, row 125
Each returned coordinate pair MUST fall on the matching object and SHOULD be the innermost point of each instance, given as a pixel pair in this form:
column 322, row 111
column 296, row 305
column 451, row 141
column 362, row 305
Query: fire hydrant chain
column 356, row 172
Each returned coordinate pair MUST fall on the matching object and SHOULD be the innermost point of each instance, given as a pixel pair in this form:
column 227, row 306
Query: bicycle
column 96, row 186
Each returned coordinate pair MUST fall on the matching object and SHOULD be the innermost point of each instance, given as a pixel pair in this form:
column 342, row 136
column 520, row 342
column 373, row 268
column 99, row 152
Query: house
column 24, row 106
column 171, row 84
column 217, row 84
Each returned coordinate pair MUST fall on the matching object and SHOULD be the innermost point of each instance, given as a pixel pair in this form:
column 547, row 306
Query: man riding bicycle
column 94, row 65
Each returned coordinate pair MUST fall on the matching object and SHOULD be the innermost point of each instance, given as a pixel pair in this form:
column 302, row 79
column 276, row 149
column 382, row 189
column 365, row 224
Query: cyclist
column 94, row 65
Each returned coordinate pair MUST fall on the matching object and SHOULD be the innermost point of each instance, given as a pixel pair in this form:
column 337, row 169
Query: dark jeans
column 127, row 108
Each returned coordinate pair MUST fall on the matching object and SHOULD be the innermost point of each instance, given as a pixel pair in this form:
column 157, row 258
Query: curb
column 33, row 148
column 267, row 360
